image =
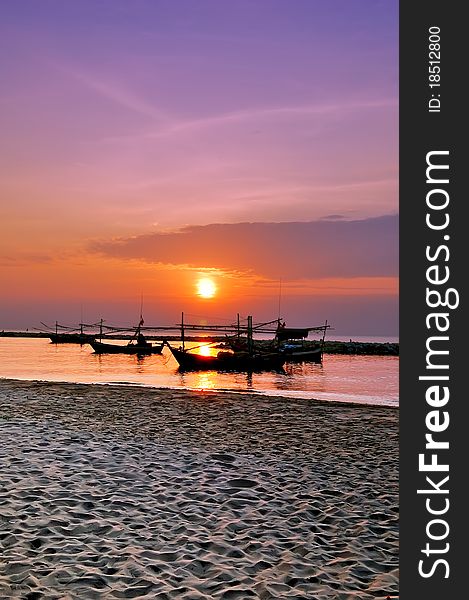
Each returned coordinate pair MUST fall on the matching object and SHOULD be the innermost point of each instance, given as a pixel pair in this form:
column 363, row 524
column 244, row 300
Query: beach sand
column 129, row 492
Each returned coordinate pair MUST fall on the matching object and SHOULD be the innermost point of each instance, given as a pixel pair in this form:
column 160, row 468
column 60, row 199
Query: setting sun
column 206, row 288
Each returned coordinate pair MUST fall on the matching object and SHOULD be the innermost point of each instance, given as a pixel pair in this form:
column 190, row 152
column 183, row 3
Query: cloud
column 297, row 250
column 21, row 259
column 259, row 115
column 118, row 94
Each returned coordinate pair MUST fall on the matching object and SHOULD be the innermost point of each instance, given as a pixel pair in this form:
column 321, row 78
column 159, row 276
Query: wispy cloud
column 113, row 91
column 279, row 111
column 317, row 249
column 25, row 259
column 179, row 126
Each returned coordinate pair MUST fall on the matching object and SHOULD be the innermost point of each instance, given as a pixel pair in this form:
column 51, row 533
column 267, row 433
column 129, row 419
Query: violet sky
column 132, row 118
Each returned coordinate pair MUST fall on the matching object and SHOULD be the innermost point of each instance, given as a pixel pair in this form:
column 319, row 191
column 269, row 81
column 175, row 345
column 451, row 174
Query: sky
column 147, row 144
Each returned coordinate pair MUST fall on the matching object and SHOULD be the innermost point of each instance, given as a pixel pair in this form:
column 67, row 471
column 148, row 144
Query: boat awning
column 291, row 333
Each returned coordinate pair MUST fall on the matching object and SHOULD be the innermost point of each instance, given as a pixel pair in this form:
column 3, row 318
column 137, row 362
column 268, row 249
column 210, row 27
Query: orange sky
column 123, row 144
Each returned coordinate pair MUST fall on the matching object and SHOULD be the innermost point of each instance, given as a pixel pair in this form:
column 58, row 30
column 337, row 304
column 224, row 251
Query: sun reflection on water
column 204, row 350
column 206, row 380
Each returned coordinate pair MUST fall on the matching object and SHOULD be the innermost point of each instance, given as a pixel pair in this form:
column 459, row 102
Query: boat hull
column 227, row 361
column 103, row 348
column 314, row 356
column 71, row 338
column 291, row 354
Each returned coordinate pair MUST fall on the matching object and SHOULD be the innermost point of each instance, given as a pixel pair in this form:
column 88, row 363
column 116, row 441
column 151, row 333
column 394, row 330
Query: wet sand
column 129, row 492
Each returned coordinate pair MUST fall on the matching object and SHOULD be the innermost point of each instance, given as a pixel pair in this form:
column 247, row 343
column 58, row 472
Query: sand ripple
column 114, row 492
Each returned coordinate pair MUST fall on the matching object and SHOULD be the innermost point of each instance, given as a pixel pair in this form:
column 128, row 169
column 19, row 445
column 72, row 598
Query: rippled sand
column 124, row 492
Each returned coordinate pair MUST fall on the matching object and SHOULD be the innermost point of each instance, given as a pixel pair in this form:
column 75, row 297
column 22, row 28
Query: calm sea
column 341, row 378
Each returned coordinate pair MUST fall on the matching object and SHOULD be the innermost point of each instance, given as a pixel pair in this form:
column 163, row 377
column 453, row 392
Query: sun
column 206, row 288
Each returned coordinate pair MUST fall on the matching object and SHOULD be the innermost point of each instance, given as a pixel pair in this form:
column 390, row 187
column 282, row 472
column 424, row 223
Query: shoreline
column 237, row 392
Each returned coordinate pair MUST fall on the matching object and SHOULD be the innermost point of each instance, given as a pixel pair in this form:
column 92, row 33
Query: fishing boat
column 290, row 343
column 71, row 338
column 70, row 335
column 137, row 345
column 227, row 361
column 249, row 360
column 293, row 353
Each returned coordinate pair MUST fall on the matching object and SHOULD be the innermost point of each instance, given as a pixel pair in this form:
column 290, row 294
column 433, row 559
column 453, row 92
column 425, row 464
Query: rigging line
column 208, row 317
column 202, row 345
column 166, row 359
column 68, row 327
column 165, row 362
column 279, row 297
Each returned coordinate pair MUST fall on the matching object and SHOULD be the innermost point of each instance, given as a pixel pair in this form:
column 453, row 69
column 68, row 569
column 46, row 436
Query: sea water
column 340, row 378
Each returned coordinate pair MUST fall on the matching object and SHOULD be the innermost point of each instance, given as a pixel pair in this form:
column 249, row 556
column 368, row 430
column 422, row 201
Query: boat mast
column 140, row 323
column 279, row 298
column 250, row 334
column 323, row 337
column 238, row 330
column 141, row 313
column 279, row 304
column 182, row 329
column 101, row 330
